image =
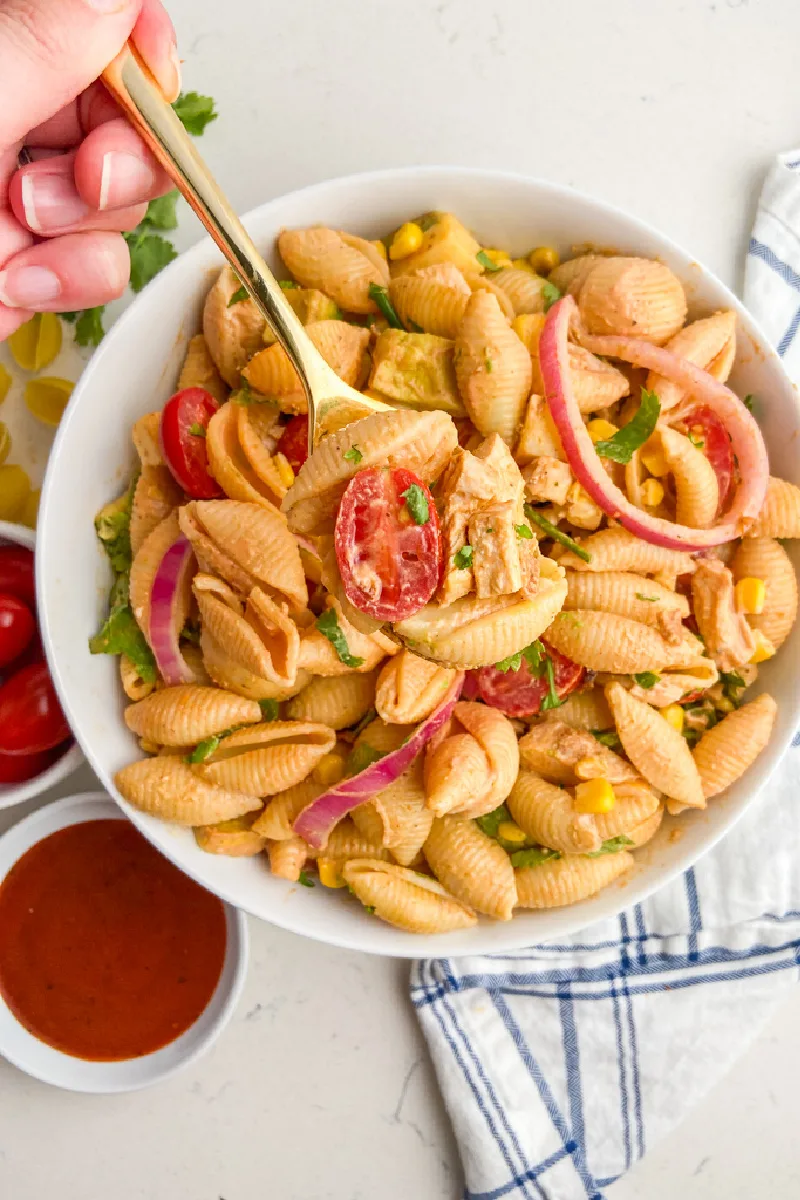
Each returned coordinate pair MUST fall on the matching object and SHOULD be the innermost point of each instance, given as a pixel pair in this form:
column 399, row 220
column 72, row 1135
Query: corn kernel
column 5, row 382
column 5, row 442
column 653, row 459
column 329, row 874
column 499, row 257
column 284, row 468
column 600, row 430
column 652, row 492
column 509, row 831
column 544, row 259
column 406, row 240
column 594, row 796
column 764, row 648
column 591, row 766
column 527, row 327
column 751, row 594
column 329, row 770
column 522, row 264
column 380, row 247
column 673, row 714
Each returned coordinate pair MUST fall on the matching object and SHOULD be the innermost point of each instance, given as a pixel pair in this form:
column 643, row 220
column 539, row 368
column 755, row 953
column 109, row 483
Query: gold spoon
column 331, row 402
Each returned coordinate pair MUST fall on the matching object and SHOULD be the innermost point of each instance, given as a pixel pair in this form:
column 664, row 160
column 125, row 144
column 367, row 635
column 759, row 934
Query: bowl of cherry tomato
column 37, row 749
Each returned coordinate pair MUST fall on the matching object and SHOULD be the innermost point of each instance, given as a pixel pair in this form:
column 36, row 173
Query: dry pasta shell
column 564, row 755
column 144, row 569
column 561, row 881
column 322, row 258
column 725, row 752
column 436, row 307
column 709, row 343
column 235, row 678
column 405, row 898
column 147, row 440
column 527, row 292
column 287, row 858
column 248, row 545
column 235, row 838
column 155, row 496
column 409, row 688
column 134, row 687
column 230, row 465
column 422, row 442
column 200, row 370
column 634, row 297
column 265, row 759
column 584, row 710
column 232, row 332
column 547, row 815
column 780, row 516
column 764, row 558
column 696, row 488
column 337, row 701
column 569, row 276
column 471, row 632
column 655, row 748
column 616, row 549
column 472, row 866
column 493, row 368
column 167, row 788
column 283, row 809
column 186, row 714
column 625, row 594
column 607, row 642
column 538, row 435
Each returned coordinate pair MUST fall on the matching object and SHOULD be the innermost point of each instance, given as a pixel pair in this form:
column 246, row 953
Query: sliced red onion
column 168, row 587
column 745, row 435
column 317, row 820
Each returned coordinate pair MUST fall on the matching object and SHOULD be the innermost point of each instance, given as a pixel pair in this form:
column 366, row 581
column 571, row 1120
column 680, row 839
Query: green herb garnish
column 414, row 327
column 417, row 504
column 287, row 284
column 555, row 533
column 197, row 430
column 696, row 441
column 205, row 749
column 150, row 253
column 550, row 293
column 269, row 709
column 162, row 212
column 380, row 295
column 621, row 446
column 88, row 323
column 304, row 880
column 328, row 625
column 523, row 531
column 535, row 656
column 360, row 757
column 647, row 679
column 749, row 402
column 195, row 112
column 463, row 559
column 648, row 599
column 367, row 719
column 487, row 362
column 238, row 296
column 551, row 700
column 607, row 737
column 490, row 822
column 121, row 635
column 353, row 455
column 191, row 633
column 487, row 263
column 732, row 686
column 534, row 856
column 112, row 525
column 611, row 846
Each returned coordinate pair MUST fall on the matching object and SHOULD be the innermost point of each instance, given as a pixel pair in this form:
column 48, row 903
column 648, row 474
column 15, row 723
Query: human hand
column 90, row 176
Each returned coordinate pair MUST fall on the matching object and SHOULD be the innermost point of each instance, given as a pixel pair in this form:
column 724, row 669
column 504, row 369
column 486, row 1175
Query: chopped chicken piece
column 581, row 509
column 547, row 480
column 538, row 435
column 497, row 561
column 728, row 637
column 670, row 625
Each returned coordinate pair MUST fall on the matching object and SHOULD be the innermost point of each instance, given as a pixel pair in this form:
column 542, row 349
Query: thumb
column 50, row 50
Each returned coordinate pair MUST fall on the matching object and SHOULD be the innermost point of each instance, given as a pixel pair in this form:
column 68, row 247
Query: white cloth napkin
column 561, row 1064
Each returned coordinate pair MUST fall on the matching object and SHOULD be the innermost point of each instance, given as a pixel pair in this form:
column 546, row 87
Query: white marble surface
column 320, row 1088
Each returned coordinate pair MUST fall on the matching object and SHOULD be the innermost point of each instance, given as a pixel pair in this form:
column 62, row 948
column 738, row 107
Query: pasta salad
column 464, row 657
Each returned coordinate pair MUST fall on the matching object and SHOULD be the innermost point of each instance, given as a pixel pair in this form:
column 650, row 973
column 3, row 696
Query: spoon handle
column 135, row 89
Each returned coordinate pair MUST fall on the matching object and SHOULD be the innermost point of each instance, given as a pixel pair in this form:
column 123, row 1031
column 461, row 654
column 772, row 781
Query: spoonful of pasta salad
column 329, row 401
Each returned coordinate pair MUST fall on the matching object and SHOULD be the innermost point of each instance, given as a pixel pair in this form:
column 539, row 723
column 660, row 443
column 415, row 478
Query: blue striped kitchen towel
column 561, row 1064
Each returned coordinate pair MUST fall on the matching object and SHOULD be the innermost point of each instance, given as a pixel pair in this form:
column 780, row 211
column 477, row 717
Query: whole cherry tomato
column 17, row 627
column 31, row 719
column 16, row 768
column 184, row 421
column 16, row 573
column 293, row 444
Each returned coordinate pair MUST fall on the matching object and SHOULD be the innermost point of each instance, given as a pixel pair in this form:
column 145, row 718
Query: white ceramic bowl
column 16, row 793
column 76, row 1074
column 134, row 371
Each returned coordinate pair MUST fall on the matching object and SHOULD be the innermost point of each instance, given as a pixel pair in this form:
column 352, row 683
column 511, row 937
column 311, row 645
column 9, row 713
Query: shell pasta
column 478, row 648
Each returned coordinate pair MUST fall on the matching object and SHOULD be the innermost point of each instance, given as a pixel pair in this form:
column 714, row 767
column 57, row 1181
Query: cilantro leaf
column 647, row 679
column 463, row 559
column 749, row 402
column 112, row 525
column 150, row 253
column 490, row 822
column 534, row 655
column 512, row 663
column 417, row 504
column 534, row 856
column 607, row 737
column 204, row 749
column 88, row 324
column 328, row 625
column 197, row 430
column 195, row 112
column 486, row 262
column 121, row 635
column 269, row 709
column 555, row 533
column 360, row 757
column 161, row 212
column 611, row 846
column 550, row 294
column 523, row 531
column 696, row 441
column 381, row 297
column 304, row 880
column 621, row 446
column 238, row 296
column 353, row 455
column 732, row 685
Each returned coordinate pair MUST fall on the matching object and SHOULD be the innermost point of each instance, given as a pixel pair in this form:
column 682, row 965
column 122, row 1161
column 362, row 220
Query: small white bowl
column 71, row 759
column 76, row 1074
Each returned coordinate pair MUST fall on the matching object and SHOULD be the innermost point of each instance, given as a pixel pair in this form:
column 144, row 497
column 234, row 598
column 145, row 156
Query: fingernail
column 107, row 6
column 28, row 287
column 51, row 202
column 125, row 179
column 168, row 74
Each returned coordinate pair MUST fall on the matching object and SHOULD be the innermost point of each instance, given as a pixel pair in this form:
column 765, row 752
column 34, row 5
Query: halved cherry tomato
column 520, row 693
column 185, row 415
column 389, row 564
column 31, row 719
column 716, row 447
column 33, row 653
column 17, row 627
column 293, row 443
column 16, row 768
column 16, row 573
